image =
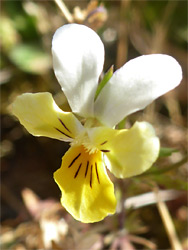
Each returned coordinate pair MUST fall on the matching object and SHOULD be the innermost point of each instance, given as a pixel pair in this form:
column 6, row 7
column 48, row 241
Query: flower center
column 83, row 140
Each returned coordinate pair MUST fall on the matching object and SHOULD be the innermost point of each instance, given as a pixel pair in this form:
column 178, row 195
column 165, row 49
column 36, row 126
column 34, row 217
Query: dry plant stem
column 174, row 108
column 9, row 197
column 142, row 241
column 122, row 48
column 122, row 215
column 64, row 10
column 161, row 28
column 157, row 46
column 167, row 221
column 150, row 112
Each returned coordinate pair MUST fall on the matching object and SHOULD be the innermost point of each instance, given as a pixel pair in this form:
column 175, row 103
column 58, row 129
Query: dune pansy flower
column 78, row 57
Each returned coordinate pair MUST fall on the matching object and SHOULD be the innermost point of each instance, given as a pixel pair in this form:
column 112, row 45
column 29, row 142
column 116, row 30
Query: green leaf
column 170, row 181
column 104, row 81
column 30, row 58
column 165, row 152
column 155, row 171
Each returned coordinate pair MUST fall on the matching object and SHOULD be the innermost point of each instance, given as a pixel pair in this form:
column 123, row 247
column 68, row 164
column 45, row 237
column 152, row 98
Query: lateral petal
column 78, row 57
column 135, row 85
column 40, row 115
column 87, row 192
column 129, row 152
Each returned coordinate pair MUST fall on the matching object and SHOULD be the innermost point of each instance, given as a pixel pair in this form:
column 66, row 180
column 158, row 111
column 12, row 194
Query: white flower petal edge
column 78, row 58
column 135, row 85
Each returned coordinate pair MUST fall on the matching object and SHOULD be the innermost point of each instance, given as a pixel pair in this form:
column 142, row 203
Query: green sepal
column 104, row 81
column 121, row 124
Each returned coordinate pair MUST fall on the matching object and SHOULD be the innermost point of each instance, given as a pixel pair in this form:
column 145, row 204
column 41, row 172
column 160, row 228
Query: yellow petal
column 40, row 115
column 87, row 192
column 130, row 152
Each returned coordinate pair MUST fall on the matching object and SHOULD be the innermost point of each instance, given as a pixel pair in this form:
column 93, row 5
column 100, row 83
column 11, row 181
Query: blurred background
column 152, row 208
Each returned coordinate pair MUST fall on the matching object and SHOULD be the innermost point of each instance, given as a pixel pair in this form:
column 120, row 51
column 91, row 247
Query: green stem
column 168, row 168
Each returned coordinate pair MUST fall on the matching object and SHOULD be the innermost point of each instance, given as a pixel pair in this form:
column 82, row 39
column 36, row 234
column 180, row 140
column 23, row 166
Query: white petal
column 78, row 57
column 135, row 85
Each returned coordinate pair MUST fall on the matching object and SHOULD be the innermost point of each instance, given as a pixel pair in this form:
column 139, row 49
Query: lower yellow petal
column 87, row 192
column 40, row 115
column 130, row 152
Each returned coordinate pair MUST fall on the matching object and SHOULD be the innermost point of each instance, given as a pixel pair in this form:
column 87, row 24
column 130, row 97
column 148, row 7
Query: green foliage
column 8, row 34
column 23, row 23
column 165, row 152
column 30, row 58
column 170, row 181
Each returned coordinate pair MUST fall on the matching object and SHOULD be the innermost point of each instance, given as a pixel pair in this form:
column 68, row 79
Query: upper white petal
column 135, row 85
column 78, row 57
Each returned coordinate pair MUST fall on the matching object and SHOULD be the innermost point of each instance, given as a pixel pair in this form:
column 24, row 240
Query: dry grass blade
column 167, row 221
column 150, row 198
column 64, row 10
